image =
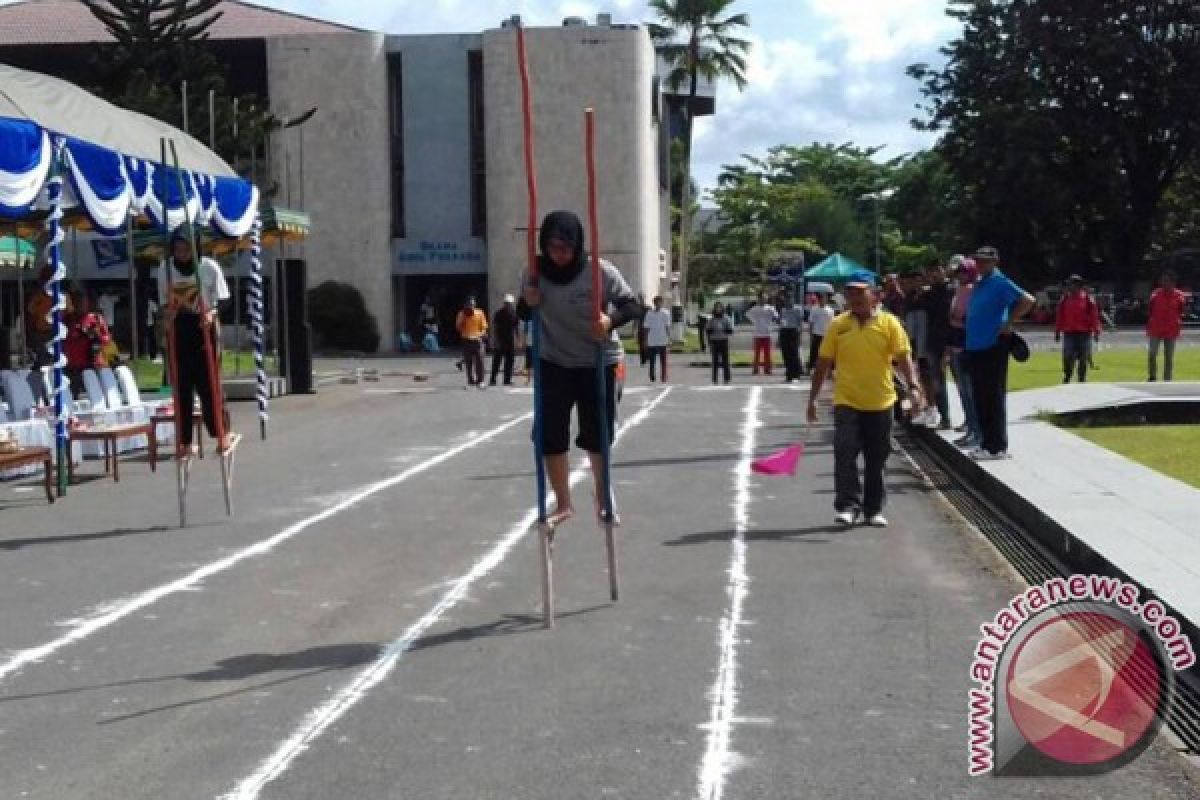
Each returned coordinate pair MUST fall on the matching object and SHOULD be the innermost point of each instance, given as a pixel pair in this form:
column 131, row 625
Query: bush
column 340, row 320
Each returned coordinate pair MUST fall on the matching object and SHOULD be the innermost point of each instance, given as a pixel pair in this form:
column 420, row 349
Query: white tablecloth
column 34, row 433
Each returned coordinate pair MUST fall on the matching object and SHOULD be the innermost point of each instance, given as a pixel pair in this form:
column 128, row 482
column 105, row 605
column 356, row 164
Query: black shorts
column 564, row 388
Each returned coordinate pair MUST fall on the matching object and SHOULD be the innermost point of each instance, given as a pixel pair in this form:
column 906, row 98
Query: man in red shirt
column 1077, row 324
column 1166, row 321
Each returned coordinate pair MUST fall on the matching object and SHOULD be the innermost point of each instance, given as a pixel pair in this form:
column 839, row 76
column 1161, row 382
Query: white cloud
column 820, row 70
column 881, row 30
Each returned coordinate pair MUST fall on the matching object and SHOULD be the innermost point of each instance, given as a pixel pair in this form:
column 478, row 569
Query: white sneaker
column 980, row 454
column 932, row 418
column 877, row 521
column 848, row 518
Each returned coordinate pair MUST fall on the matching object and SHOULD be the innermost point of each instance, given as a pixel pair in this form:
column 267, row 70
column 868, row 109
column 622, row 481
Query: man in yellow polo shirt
column 862, row 345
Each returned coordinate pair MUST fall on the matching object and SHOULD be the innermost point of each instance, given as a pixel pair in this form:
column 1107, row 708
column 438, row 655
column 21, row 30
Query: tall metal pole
column 133, row 304
column 185, row 112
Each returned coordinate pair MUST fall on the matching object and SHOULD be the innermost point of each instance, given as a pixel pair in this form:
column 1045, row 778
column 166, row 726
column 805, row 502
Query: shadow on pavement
column 507, row 625
column 794, row 534
column 17, row 544
column 313, row 661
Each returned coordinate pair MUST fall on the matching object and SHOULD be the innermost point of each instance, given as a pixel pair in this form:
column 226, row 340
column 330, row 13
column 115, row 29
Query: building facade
column 412, row 165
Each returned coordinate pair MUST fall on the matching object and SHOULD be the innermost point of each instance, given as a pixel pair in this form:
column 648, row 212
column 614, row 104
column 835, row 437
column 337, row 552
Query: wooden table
column 26, row 456
column 168, row 418
column 109, row 435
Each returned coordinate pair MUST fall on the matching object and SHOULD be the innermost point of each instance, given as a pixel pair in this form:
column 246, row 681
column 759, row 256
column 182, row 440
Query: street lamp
column 878, row 197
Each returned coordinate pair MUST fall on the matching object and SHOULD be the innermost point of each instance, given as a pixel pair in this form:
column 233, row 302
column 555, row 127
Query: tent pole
column 133, row 315
column 21, row 312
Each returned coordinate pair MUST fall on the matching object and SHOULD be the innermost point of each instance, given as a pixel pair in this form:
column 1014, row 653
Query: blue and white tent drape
column 109, row 186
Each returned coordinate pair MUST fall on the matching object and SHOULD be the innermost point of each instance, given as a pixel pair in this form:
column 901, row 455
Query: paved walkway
column 1143, row 522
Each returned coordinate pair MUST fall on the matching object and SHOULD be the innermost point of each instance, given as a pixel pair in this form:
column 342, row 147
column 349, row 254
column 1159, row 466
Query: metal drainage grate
column 1036, row 565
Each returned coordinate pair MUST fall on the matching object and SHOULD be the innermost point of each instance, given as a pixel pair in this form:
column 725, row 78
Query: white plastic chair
column 128, row 386
column 95, row 392
column 20, row 398
column 112, row 394
column 132, row 397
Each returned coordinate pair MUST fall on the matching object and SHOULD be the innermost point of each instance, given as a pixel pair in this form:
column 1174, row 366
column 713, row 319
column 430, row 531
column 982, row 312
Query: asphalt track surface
column 367, row 625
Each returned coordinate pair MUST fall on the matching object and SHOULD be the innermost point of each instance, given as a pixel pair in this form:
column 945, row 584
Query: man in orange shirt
column 472, row 326
column 1164, row 326
column 1076, row 324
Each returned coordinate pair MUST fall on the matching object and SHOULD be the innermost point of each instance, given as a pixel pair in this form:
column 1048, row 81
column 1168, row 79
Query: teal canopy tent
column 836, row 268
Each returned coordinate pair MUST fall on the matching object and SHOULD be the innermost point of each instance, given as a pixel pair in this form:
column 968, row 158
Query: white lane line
column 319, row 720
column 718, row 756
column 114, row 612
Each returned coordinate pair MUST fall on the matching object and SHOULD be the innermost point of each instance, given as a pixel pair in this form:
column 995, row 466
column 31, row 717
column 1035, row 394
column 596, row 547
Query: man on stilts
column 190, row 290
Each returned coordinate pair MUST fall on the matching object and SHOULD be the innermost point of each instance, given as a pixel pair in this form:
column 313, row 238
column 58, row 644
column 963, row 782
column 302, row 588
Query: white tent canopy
column 56, row 105
column 111, row 159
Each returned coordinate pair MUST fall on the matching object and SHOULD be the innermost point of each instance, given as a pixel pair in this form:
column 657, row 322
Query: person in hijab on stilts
column 190, row 295
column 569, row 338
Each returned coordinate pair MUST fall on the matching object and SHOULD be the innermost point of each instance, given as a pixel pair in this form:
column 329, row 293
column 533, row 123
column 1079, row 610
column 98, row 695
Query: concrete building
column 412, row 166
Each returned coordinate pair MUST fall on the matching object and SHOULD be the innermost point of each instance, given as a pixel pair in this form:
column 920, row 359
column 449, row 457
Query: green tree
column 697, row 40
column 1067, row 121
column 159, row 45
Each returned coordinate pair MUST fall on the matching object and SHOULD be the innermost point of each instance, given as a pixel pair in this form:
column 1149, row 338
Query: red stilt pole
column 545, row 532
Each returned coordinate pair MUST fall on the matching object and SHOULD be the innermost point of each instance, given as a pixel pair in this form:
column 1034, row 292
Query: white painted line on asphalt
column 319, row 720
column 718, row 757
column 116, row 611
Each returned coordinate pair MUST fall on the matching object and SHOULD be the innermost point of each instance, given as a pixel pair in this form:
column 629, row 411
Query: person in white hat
column 505, row 326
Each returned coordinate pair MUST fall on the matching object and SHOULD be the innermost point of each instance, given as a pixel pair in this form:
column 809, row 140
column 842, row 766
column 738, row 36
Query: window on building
column 396, row 127
column 478, row 144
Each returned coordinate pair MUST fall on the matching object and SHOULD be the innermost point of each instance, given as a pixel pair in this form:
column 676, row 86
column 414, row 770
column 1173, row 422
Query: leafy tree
column 159, row 45
column 697, row 40
column 1067, row 122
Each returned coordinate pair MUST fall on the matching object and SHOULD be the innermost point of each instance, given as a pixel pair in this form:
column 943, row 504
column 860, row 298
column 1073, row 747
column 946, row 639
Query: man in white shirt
column 819, row 318
column 657, row 324
column 764, row 319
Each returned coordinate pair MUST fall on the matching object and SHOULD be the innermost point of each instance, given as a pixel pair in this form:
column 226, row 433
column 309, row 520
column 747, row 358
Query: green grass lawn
column 1169, row 449
column 1115, row 366
column 149, row 375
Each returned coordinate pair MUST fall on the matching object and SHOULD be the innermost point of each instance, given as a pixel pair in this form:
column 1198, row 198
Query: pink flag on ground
column 782, row 463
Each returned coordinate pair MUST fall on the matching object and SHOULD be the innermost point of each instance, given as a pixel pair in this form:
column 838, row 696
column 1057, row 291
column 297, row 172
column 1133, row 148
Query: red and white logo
column 1083, row 688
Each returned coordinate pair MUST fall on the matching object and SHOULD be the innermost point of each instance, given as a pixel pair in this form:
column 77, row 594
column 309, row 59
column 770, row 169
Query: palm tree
column 697, row 40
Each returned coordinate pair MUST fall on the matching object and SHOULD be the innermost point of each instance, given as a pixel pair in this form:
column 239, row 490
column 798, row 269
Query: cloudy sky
column 820, row 70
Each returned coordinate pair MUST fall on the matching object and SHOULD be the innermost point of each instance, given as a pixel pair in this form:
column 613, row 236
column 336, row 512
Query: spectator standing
column 719, row 331
column 764, row 318
column 657, row 326
column 819, row 318
column 504, row 339
column 1076, row 325
column 472, row 326
column 1164, row 326
column 935, row 302
column 996, row 303
column 966, row 274
column 791, row 320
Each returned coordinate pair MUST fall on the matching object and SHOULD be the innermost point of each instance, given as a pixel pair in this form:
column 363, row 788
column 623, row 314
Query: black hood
column 180, row 234
column 563, row 225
